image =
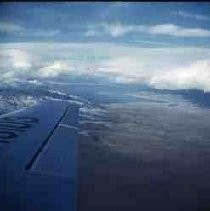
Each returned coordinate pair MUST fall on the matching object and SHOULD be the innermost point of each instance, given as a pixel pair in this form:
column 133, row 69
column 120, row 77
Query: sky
column 145, row 23
column 164, row 45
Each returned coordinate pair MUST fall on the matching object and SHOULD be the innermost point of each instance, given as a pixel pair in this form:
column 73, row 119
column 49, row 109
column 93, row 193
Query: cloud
column 178, row 31
column 19, row 30
column 15, row 63
column 152, row 43
column 190, row 15
column 120, row 4
column 162, row 68
column 91, row 33
column 15, row 58
column 55, row 68
column 118, row 30
column 19, row 59
column 10, row 27
column 115, row 29
column 195, row 75
column 107, row 29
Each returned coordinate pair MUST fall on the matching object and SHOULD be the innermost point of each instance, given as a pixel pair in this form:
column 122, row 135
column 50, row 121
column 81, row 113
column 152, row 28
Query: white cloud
column 170, row 68
column 120, row 4
column 55, row 68
column 20, row 59
column 174, row 30
column 15, row 58
column 117, row 30
column 153, row 43
column 16, row 62
column 190, row 15
column 195, row 75
column 91, row 33
column 6, row 27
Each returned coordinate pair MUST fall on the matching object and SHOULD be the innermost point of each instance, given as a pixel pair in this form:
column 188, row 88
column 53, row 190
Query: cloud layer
column 111, row 29
column 169, row 29
column 193, row 76
column 190, row 15
column 19, row 30
column 162, row 68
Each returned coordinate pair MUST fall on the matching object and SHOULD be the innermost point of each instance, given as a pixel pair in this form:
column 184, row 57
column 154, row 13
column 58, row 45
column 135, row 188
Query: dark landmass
column 145, row 157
